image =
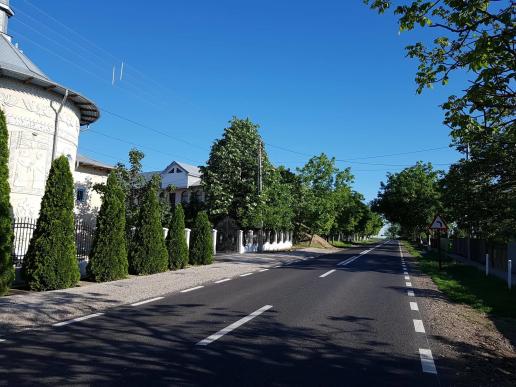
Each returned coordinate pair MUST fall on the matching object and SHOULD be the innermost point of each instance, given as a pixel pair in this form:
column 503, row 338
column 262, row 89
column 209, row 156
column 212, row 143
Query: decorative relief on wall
column 28, row 162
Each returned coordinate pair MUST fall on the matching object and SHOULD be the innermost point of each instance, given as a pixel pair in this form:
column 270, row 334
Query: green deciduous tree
column 6, row 232
column 410, row 198
column 474, row 38
column 108, row 257
column 176, row 240
column 317, row 210
column 148, row 252
column 51, row 261
column 201, row 245
column 230, row 176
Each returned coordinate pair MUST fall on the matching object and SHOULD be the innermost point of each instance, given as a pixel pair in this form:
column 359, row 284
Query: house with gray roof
column 184, row 178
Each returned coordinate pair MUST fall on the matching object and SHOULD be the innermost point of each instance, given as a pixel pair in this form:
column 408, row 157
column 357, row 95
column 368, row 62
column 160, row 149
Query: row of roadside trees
column 129, row 237
column 315, row 199
column 475, row 40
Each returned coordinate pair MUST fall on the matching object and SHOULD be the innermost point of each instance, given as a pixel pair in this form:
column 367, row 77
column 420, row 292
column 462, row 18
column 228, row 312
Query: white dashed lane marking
column 62, row 323
column 427, row 361
column 410, row 293
column 223, row 280
column 147, row 301
column 191, row 289
column 418, row 326
column 408, row 284
column 235, row 325
column 245, row 275
column 327, row 273
column 413, row 306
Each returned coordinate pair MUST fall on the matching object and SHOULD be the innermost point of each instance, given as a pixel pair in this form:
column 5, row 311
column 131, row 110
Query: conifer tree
column 108, row 258
column 51, row 261
column 176, row 240
column 201, row 247
column 148, row 253
column 6, row 232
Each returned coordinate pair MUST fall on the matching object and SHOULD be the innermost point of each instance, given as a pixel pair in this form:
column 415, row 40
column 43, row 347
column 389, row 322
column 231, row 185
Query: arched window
column 185, row 197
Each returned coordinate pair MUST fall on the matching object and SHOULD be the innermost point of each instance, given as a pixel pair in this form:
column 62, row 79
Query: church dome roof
column 14, row 64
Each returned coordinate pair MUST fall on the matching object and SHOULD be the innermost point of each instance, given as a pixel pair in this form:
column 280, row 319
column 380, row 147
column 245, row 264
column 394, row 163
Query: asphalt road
column 313, row 323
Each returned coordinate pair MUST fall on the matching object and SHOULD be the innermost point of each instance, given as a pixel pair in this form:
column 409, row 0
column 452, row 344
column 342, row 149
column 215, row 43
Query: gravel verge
column 29, row 310
column 468, row 346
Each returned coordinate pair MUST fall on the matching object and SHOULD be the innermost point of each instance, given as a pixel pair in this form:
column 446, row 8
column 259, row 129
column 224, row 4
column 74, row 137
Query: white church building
column 43, row 121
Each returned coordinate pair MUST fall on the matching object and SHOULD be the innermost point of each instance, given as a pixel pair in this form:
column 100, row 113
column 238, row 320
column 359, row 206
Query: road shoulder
column 468, row 347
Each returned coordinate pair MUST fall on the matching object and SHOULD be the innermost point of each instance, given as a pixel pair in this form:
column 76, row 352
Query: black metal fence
column 24, row 228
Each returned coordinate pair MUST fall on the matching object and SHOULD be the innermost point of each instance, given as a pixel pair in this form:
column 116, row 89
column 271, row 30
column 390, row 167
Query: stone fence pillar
column 240, row 242
column 187, row 237
column 214, row 238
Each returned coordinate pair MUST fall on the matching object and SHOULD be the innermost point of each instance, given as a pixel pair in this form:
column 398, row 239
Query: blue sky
column 317, row 76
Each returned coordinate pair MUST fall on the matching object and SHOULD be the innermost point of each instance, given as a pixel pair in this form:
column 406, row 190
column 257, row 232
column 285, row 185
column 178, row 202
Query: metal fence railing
column 24, row 228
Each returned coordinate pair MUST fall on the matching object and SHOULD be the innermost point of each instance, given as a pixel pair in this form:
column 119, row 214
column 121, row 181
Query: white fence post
column 509, row 273
column 487, row 264
column 187, row 237
column 165, row 232
column 214, row 237
column 240, row 242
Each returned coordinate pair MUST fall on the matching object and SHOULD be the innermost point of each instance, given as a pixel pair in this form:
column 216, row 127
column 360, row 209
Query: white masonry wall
column 30, row 112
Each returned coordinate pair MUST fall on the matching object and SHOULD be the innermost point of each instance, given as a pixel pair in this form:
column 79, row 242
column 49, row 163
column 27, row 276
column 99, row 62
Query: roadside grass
column 466, row 284
column 341, row 244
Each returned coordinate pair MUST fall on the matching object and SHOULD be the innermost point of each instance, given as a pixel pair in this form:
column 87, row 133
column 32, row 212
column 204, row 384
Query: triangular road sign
column 438, row 224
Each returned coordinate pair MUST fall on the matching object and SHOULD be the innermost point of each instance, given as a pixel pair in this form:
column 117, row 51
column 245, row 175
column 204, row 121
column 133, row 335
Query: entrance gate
column 227, row 235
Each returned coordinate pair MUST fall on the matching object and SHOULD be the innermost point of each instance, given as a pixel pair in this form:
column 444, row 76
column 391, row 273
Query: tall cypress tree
column 51, row 261
column 6, row 232
column 176, row 240
column 201, row 247
column 108, row 258
column 148, row 253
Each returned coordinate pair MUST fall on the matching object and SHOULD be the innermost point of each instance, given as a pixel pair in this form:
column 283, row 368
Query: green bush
column 201, row 246
column 176, row 240
column 148, row 253
column 51, row 261
column 108, row 258
column 6, row 231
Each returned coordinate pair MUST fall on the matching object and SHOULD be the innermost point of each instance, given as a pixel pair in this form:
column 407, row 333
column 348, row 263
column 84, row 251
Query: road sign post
column 439, row 225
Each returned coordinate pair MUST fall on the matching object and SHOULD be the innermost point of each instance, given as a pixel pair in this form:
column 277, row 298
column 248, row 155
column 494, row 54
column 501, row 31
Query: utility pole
column 260, row 187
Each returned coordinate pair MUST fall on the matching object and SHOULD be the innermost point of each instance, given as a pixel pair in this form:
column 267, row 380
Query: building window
column 172, row 198
column 81, row 195
column 184, row 197
column 172, row 170
column 178, row 170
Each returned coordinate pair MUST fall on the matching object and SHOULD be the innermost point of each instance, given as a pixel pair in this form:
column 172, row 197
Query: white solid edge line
column 236, row 324
column 327, row 273
column 147, row 301
column 2, row 340
column 62, row 323
column 410, row 293
column 408, row 284
column 191, row 289
column 418, row 326
column 223, row 280
column 261, row 271
column 427, row 361
column 413, row 306
column 245, row 274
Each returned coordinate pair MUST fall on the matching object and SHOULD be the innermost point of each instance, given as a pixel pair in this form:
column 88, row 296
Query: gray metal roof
column 14, row 64
column 190, row 169
column 84, row 160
